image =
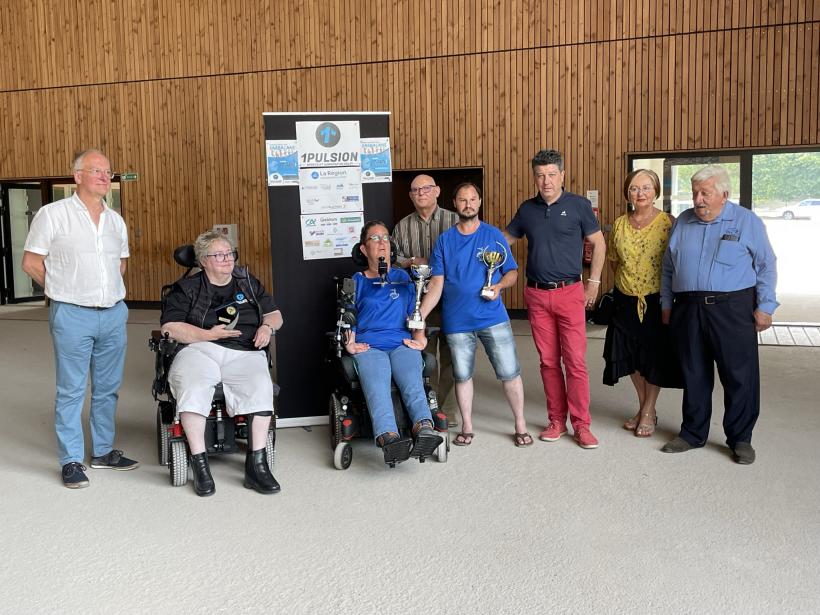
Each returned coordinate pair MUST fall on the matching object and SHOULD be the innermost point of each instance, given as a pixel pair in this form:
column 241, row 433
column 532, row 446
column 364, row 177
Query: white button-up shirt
column 82, row 260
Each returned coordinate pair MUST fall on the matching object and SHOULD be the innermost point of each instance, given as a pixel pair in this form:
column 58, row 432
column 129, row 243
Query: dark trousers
column 709, row 329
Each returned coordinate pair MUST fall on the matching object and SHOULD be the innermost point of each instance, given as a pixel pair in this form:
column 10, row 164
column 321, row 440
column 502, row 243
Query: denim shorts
column 499, row 344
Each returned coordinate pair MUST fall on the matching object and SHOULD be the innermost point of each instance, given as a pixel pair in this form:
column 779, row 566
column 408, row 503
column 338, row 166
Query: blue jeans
column 499, row 344
column 376, row 368
column 87, row 341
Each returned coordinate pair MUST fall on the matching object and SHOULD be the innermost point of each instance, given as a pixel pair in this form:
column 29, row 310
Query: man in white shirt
column 76, row 249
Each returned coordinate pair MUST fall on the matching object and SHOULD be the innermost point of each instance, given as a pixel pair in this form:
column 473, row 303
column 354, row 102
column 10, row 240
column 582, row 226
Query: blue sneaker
column 114, row 461
column 74, row 475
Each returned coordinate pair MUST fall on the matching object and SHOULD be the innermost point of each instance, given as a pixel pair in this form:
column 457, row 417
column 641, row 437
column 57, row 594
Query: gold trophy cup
column 492, row 259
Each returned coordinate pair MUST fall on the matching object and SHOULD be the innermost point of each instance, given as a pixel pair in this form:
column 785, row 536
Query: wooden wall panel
column 176, row 91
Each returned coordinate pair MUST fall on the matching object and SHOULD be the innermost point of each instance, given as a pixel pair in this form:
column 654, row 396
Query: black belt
column 97, row 307
column 553, row 285
column 710, row 297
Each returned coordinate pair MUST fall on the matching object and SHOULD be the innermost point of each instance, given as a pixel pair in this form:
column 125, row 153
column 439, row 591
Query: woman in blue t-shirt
column 382, row 348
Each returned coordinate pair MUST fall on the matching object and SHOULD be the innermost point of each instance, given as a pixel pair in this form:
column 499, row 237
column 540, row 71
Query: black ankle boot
column 203, row 481
column 257, row 472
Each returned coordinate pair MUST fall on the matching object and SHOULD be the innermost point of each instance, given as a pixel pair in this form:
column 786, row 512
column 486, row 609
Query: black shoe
column 743, row 453
column 114, row 460
column 74, row 475
column 203, row 481
column 395, row 448
column 427, row 441
column 257, row 473
column 677, row 445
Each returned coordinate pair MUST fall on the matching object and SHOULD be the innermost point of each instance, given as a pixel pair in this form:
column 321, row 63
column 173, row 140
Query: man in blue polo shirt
column 717, row 292
column 474, row 311
column 555, row 223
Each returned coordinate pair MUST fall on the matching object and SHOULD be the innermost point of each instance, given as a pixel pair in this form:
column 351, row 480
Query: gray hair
column 78, row 157
column 722, row 181
column 203, row 243
column 548, row 156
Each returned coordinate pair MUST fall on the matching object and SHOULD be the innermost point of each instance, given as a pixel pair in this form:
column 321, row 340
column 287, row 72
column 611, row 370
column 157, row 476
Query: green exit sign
column 128, row 176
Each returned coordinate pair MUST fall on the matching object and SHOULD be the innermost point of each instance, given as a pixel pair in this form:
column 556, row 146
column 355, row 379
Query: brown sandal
column 463, row 439
column 520, row 439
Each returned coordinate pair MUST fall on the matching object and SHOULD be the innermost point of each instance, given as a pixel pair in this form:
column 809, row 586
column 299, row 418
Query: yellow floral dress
column 636, row 339
column 637, row 255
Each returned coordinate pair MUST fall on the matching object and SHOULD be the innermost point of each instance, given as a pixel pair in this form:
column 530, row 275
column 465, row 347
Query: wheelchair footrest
column 397, row 452
column 425, row 445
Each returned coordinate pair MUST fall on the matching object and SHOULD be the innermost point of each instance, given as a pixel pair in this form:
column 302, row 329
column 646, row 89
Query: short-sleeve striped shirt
column 415, row 236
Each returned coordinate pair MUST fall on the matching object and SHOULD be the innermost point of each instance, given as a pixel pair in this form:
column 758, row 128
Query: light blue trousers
column 87, row 341
column 376, row 368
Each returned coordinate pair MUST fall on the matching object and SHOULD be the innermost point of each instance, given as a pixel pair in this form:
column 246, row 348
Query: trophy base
column 415, row 325
column 487, row 293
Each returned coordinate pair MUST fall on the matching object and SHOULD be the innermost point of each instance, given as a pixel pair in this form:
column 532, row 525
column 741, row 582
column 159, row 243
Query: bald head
column 424, row 193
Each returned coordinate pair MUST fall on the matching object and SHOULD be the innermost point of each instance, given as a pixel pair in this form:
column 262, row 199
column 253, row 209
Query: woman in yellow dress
column 637, row 342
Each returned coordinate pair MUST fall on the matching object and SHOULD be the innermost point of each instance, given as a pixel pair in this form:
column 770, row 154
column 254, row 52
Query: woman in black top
column 227, row 319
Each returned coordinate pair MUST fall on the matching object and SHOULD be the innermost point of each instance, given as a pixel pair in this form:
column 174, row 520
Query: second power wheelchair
column 347, row 408
column 222, row 432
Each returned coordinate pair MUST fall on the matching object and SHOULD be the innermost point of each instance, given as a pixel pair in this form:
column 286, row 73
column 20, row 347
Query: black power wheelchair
column 221, row 431
column 347, row 408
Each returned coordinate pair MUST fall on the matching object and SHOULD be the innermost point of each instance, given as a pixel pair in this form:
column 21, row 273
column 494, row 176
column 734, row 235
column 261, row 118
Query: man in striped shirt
column 414, row 236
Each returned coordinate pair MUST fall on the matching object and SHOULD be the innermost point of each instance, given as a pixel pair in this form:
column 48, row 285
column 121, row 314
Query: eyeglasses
column 379, row 238
column 644, row 189
column 95, row 172
column 422, row 189
column 221, row 257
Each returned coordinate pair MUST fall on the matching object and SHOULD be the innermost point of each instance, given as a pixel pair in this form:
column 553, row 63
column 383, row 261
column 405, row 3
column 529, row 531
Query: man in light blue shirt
column 717, row 292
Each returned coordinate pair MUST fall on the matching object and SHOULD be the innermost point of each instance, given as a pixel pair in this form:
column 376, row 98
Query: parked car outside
column 807, row 209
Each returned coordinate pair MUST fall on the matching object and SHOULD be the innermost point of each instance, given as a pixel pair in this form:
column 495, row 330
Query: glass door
column 19, row 204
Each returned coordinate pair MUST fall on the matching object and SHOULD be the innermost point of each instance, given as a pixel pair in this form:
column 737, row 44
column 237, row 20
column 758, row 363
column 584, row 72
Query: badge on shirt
column 240, row 298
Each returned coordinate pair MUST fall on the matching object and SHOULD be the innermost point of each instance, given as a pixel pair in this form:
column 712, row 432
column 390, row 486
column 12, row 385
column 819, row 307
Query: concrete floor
column 496, row 529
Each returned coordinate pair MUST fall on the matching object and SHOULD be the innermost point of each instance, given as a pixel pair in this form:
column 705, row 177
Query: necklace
column 641, row 224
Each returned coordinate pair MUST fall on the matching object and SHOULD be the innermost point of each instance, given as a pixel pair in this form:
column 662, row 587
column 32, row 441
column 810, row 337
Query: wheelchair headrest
column 361, row 260
column 185, row 256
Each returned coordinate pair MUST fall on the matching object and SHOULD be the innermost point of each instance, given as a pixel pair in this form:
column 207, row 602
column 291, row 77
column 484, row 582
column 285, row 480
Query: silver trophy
column 421, row 275
column 492, row 259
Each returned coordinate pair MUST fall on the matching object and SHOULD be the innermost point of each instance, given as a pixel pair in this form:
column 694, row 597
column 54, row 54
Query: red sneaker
column 553, row 431
column 583, row 436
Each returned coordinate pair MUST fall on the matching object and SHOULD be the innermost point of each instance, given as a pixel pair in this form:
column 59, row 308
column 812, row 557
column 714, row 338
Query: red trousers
column 558, row 322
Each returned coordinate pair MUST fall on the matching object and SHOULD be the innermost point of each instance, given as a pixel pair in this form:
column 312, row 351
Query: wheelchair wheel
column 443, row 449
column 178, row 463
column 162, row 440
column 334, row 412
column 342, row 455
column 270, row 448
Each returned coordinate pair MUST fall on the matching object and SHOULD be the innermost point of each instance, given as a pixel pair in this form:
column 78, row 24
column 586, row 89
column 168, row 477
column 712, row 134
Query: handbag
column 602, row 314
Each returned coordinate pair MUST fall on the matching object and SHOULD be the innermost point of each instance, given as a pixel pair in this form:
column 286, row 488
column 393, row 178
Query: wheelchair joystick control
column 382, row 271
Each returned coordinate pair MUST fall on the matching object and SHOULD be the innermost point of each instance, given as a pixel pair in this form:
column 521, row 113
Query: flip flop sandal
column 461, row 439
column 520, row 439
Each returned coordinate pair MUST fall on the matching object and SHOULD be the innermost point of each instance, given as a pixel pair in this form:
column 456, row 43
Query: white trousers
column 244, row 375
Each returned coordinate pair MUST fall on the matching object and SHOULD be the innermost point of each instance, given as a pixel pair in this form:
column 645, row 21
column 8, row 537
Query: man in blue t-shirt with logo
column 472, row 309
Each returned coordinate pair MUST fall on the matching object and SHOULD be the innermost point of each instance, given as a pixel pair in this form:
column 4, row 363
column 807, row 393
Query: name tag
column 728, row 237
